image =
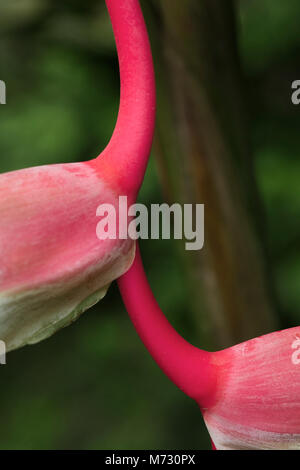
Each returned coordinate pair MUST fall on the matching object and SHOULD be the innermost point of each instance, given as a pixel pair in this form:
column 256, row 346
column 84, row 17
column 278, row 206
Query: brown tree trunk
column 204, row 157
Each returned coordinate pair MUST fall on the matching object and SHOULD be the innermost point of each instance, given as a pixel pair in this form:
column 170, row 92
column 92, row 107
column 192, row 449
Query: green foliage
column 270, row 30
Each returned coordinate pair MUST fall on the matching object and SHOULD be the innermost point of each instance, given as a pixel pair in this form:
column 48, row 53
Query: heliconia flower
column 249, row 394
column 257, row 400
column 52, row 265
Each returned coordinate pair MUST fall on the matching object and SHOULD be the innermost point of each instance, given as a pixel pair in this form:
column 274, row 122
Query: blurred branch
column 203, row 151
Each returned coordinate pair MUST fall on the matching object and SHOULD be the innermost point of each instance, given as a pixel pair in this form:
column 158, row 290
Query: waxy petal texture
column 258, row 394
column 52, row 265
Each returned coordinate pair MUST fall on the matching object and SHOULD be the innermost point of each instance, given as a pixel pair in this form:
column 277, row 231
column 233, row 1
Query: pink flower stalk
column 249, row 394
column 53, row 266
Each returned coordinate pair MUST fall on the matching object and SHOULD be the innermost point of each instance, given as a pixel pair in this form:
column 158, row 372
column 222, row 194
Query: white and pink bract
column 53, row 267
column 257, row 399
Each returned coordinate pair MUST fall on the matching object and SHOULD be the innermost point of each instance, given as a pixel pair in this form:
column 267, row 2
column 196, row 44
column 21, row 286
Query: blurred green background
column 93, row 385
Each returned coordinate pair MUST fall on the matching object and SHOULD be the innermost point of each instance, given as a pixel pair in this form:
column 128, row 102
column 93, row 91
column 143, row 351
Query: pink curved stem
column 187, row 366
column 124, row 162
column 128, row 150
